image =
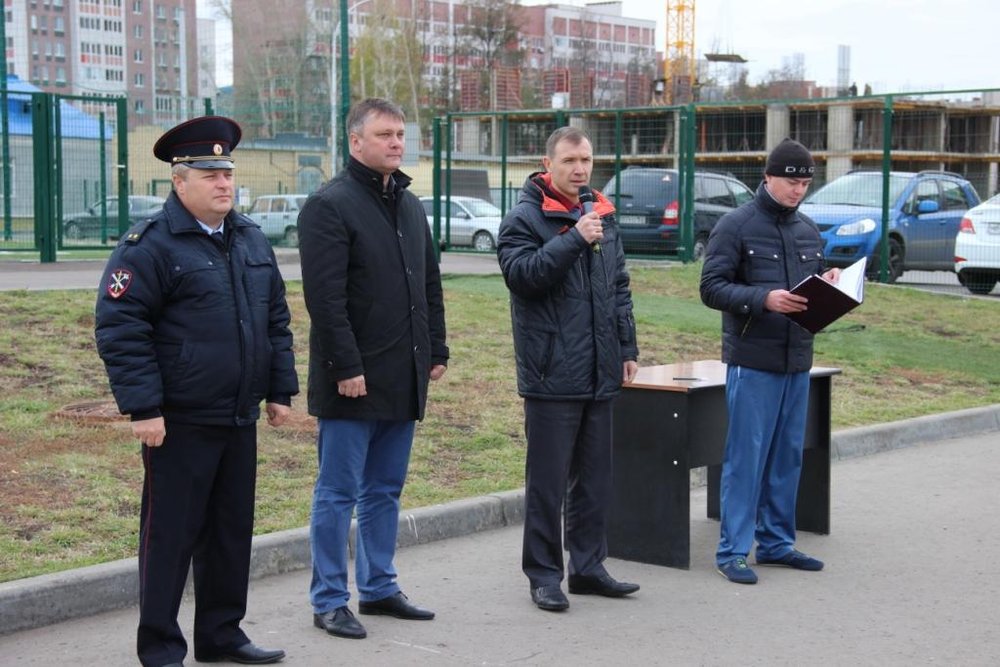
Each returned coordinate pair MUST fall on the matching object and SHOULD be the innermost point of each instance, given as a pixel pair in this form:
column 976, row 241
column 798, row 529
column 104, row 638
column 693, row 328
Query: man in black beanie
column 755, row 255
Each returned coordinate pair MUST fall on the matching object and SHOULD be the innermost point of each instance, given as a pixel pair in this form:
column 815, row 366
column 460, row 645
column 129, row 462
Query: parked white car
column 278, row 216
column 473, row 222
column 977, row 247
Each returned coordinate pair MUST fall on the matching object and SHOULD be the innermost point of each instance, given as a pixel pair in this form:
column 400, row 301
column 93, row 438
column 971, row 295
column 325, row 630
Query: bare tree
column 491, row 39
column 388, row 59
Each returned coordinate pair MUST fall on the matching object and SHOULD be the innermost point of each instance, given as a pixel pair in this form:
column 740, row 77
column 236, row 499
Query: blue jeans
column 363, row 464
column 763, row 461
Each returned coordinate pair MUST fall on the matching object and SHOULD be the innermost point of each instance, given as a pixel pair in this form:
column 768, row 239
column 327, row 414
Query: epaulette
column 135, row 232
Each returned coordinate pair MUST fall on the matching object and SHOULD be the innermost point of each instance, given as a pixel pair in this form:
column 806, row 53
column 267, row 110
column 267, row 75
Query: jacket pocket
column 257, row 276
column 626, row 328
column 810, row 255
column 763, row 261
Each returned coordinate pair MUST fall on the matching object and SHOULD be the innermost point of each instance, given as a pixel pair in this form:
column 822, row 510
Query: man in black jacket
column 755, row 255
column 574, row 339
column 192, row 325
column 377, row 336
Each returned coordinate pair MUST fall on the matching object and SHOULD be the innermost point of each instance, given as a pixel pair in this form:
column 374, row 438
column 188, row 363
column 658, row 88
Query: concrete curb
column 47, row 599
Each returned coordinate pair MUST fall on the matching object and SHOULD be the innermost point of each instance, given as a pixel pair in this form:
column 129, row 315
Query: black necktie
column 217, row 237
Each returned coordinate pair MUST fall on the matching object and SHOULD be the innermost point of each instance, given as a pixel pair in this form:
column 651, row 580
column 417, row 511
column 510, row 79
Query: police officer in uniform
column 192, row 325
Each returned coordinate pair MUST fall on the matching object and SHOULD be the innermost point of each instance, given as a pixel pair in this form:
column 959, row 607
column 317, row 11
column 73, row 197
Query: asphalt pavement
column 910, row 579
column 86, row 274
column 910, row 576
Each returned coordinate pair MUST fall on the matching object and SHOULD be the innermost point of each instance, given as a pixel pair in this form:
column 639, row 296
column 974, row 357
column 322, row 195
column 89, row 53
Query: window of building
column 137, row 56
column 60, row 50
column 140, row 106
column 161, row 12
column 139, row 80
column 59, row 25
column 61, row 75
column 137, row 6
column 137, row 31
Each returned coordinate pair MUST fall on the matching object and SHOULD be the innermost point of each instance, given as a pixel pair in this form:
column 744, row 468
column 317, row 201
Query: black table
column 673, row 418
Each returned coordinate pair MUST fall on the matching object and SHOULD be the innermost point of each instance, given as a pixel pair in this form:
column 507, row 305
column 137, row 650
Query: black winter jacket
column 373, row 290
column 571, row 307
column 193, row 331
column 759, row 247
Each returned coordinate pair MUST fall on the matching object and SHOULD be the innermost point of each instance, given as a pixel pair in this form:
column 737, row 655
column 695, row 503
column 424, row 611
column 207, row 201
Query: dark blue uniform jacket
column 191, row 330
column 759, row 247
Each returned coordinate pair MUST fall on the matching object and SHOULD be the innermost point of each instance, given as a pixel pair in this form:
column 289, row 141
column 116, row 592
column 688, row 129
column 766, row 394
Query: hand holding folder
column 829, row 301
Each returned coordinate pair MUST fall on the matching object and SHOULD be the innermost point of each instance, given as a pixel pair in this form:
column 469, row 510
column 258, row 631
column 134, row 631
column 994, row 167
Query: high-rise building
column 146, row 50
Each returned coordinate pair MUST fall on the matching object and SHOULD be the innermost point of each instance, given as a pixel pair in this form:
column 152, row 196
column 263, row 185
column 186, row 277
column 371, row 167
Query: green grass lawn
column 69, row 490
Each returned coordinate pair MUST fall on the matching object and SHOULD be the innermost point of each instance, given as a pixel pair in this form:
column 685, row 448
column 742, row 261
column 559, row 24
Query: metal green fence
column 671, row 172
column 901, row 170
column 65, row 160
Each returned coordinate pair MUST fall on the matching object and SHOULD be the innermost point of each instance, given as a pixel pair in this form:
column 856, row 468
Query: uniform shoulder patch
column 119, row 281
column 136, row 231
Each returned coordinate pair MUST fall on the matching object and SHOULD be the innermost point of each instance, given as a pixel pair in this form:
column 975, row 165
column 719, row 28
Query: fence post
column 121, row 162
column 436, row 189
column 208, row 107
column 503, row 163
column 686, row 164
column 619, row 130
column 883, row 272
column 41, row 140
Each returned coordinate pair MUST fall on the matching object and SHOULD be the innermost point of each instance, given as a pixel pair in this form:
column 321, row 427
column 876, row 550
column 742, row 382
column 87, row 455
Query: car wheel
column 483, row 242
column 896, row 257
column 700, row 244
column 978, row 283
column 292, row 237
column 71, row 232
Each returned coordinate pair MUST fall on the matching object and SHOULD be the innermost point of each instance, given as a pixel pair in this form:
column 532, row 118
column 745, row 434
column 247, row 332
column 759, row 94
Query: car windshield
column 860, row 189
column 480, row 208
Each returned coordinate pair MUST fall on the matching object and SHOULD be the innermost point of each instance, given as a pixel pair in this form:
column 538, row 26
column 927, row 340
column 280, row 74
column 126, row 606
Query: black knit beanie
column 790, row 159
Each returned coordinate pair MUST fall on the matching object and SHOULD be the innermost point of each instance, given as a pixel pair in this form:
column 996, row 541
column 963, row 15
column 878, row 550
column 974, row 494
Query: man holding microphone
column 574, row 340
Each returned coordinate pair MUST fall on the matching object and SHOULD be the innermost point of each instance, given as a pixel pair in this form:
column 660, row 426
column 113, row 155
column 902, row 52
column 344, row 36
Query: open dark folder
column 828, row 301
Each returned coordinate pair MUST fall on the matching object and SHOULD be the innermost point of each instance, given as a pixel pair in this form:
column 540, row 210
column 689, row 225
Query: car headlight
column 857, row 227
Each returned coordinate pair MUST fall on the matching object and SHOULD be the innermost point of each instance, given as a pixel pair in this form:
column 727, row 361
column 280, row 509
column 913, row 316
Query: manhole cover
column 90, row 411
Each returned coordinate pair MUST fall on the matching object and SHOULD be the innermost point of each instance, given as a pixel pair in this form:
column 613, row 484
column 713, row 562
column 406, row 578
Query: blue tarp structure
column 75, row 123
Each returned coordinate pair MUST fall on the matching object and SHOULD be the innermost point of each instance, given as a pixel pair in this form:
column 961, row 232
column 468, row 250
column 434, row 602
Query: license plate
column 632, row 220
column 994, row 228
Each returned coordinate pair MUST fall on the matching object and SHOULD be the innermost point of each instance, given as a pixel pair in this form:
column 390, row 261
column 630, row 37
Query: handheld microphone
column 586, row 196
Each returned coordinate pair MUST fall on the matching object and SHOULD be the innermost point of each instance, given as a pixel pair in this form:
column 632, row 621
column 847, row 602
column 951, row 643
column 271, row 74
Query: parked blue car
column 925, row 211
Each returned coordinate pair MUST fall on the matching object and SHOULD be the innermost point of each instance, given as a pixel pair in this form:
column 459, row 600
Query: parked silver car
column 470, row 221
column 278, row 215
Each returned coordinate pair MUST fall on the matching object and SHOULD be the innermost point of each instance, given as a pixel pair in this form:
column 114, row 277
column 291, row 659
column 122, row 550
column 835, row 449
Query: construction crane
column 679, row 64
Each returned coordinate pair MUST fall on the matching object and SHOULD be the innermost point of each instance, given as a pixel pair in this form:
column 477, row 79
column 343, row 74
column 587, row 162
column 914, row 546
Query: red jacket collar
column 554, row 201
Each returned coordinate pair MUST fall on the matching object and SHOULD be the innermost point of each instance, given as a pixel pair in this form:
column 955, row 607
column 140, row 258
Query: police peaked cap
column 200, row 143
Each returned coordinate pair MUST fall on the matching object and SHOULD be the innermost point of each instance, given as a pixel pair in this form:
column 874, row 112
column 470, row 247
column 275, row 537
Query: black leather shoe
column 549, row 598
column 341, row 623
column 248, row 654
column 602, row 584
column 397, row 605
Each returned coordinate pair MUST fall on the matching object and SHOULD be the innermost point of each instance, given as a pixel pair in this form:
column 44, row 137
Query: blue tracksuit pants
column 762, row 462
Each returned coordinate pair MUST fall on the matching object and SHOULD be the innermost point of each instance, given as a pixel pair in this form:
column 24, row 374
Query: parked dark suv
column 648, row 206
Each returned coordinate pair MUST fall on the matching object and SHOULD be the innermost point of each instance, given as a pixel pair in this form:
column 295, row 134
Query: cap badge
column 217, row 149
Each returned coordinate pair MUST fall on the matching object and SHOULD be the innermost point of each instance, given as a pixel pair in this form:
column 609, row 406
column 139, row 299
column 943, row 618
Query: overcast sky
column 895, row 45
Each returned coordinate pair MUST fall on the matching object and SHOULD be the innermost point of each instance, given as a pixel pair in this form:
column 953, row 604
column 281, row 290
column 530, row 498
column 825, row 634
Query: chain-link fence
column 894, row 180
column 902, row 172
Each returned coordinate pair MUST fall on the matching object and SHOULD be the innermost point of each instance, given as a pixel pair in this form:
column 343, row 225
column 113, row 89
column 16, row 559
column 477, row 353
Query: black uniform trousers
column 197, row 506
column 569, row 458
